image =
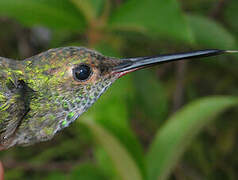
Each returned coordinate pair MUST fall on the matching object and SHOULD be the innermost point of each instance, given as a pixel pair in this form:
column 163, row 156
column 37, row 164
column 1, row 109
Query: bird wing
column 12, row 107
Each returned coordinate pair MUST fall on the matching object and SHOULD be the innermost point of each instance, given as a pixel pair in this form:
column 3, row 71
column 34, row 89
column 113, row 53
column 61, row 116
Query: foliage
column 133, row 138
column 172, row 139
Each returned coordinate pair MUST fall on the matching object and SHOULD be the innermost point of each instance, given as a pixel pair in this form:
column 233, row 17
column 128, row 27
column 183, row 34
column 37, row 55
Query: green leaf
column 59, row 14
column 97, row 6
column 87, row 171
column 86, row 8
column 231, row 14
column 123, row 162
column 151, row 96
column 174, row 137
column 91, row 9
column 104, row 162
column 153, row 17
column 210, row 34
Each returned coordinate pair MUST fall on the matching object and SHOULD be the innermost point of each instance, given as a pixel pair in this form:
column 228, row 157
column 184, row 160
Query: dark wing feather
column 12, row 107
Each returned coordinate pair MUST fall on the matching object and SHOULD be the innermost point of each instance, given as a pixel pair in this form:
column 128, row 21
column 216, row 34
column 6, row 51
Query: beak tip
column 231, row 51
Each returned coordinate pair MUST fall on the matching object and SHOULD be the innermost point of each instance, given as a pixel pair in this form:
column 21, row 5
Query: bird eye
column 82, row 72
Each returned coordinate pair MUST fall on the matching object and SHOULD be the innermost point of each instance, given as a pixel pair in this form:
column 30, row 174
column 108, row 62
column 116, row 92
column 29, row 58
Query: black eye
column 82, row 72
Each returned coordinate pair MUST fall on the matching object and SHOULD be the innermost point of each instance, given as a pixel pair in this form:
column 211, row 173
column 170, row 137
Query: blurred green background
column 152, row 124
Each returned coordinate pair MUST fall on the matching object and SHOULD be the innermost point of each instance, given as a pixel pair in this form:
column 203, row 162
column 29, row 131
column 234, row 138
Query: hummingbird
column 41, row 95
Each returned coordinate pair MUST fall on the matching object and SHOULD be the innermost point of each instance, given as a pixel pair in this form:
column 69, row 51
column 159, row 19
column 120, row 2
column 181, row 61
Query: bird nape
column 43, row 94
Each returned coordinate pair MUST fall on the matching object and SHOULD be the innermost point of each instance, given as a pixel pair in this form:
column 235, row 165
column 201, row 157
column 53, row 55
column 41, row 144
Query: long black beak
column 132, row 64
